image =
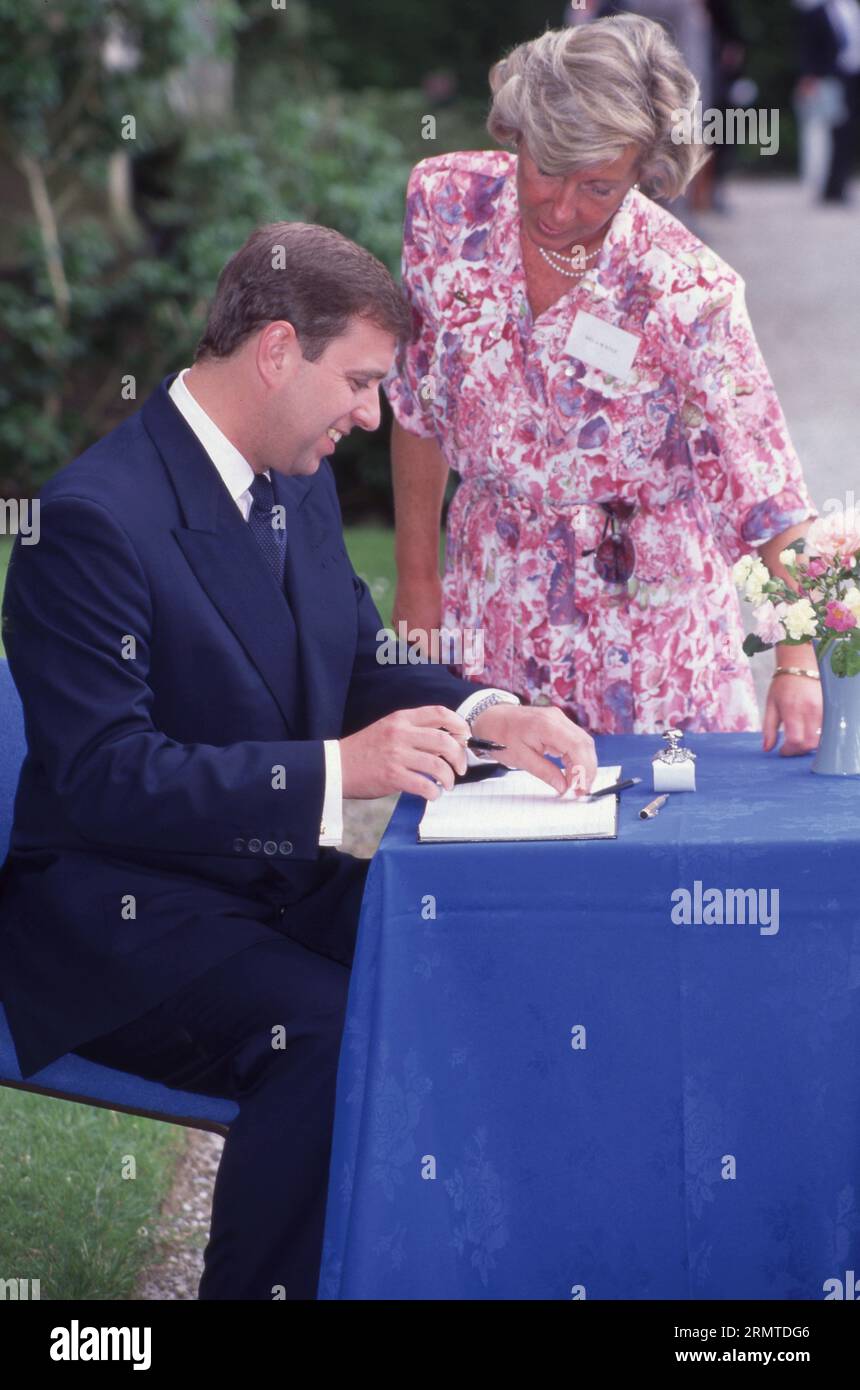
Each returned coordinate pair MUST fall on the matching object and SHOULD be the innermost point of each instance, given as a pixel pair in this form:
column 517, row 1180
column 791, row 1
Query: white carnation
column 799, row 620
column 851, row 598
column 758, row 576
column 740, row 572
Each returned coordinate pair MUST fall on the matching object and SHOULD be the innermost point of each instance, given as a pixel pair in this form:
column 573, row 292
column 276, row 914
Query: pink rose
column 835, row 538
column 815, row 567
column 839, row 616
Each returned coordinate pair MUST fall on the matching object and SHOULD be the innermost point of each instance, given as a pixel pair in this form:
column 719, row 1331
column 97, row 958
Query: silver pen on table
column 649, row 811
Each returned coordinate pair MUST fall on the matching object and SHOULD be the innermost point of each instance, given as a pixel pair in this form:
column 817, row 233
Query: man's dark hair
column 311, row 276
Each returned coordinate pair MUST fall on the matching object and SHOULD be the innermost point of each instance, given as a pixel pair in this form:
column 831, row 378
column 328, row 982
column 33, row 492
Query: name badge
column 602, row 345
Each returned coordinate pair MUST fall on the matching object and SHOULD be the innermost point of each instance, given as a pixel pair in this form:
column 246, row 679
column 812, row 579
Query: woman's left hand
column 795, row 702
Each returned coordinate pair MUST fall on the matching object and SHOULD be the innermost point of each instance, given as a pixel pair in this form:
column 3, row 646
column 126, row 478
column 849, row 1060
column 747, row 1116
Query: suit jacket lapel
column 314, row 552
column 224, row 555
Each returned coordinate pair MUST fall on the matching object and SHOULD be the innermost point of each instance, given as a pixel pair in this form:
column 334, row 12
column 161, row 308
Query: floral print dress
column 693, row 434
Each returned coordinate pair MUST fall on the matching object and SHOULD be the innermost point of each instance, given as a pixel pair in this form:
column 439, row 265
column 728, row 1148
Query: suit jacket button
column 238, row 845
column 255, row 845
column 285, row 847
column 270, row 847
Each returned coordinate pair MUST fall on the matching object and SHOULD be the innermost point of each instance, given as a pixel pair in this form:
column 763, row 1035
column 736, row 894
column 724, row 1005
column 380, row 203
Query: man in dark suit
column 197, row 662
column 829, row 42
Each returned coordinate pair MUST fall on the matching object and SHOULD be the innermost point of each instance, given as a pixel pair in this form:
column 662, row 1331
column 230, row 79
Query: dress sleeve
column 409, row 384
column 748, row 472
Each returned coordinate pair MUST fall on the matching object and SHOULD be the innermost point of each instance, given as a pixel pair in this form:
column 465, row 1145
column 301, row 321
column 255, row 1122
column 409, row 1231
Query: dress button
column 285, row 847
column 238, row 845
column 270, row 847
column 255, row 845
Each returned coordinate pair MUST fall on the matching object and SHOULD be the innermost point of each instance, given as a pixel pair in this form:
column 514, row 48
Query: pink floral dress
column 694, row 434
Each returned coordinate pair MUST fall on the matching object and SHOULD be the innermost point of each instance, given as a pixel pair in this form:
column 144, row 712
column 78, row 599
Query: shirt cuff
column 331, row 826
column 464, row 710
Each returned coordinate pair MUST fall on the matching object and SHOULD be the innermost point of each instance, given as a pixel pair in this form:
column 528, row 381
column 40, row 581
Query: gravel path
column 803, row 295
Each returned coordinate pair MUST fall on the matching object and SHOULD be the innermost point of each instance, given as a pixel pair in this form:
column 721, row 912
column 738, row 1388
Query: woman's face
column 561, row 210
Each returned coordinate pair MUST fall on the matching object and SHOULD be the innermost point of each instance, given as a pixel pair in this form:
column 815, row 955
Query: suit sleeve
column 379, row 684
column 72, row 603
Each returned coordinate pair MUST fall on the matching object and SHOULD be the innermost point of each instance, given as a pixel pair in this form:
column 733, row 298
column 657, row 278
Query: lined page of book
column 518, row 806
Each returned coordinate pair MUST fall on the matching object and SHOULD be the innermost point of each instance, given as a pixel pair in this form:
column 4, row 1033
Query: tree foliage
column 113, row 240
column 115, row 244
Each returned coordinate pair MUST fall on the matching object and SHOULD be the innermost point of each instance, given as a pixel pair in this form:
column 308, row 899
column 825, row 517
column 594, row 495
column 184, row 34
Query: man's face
column 323, row 400
column 561, row 210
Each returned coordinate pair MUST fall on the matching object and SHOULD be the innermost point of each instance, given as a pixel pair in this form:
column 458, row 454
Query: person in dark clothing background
column 829, row 43
column 728, row 52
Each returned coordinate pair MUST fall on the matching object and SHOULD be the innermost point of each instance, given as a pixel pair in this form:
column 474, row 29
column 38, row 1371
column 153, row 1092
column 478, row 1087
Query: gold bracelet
column 796, row 671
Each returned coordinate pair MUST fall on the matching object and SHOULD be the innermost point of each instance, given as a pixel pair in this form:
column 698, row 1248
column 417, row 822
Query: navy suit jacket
column 168, row 810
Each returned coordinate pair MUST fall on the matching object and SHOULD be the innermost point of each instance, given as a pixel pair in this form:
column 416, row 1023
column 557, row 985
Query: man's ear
column 278, row 352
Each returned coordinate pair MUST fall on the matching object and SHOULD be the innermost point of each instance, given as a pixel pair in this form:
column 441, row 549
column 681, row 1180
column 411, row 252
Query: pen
column 618, row 787
column 485, row 745
column 648, row 812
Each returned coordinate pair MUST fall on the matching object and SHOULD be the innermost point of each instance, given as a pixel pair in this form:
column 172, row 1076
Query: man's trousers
column 262, row 1028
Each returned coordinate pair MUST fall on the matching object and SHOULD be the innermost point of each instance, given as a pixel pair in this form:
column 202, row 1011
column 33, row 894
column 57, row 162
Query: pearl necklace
column 553, row 257
column 571, row 274
column 575, row 259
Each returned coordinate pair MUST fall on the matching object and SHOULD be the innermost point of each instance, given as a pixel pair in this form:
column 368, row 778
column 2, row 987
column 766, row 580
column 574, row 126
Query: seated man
column 197, row 663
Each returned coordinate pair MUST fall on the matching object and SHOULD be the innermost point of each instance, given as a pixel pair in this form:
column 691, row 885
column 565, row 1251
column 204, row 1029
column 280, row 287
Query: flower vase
column 839, row 746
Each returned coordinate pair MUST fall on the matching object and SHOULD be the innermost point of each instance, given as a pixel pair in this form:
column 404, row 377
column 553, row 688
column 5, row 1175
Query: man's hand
column 391, row 755
column 795, row 702
column 529, row 733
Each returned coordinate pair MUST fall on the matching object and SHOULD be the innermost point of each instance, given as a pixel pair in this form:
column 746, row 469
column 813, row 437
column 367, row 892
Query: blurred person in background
column 728, row 52
column 598, row 512
column 828, row 94
column 585, row 11
column 688, row 24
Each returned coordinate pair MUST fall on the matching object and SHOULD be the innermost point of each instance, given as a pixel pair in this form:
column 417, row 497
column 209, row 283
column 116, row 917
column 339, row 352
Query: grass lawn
column 80, row 1189
column 371, row 549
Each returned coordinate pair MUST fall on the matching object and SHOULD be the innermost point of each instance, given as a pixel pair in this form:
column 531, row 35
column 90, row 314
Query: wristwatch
column 495, row 697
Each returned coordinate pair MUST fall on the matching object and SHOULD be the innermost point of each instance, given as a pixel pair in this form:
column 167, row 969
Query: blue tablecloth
column 550, row 1089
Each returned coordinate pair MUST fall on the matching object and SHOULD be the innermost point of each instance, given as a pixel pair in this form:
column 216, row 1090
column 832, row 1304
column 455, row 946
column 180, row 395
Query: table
column 551, row 1090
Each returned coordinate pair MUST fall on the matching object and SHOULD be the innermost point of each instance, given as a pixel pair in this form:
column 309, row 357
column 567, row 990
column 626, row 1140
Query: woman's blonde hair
column 579, row 96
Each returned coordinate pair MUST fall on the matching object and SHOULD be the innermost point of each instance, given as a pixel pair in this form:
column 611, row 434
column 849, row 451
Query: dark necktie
column 267, row 526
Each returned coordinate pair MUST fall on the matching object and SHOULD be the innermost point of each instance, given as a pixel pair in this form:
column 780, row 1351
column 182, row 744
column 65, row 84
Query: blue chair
column 72, row 1077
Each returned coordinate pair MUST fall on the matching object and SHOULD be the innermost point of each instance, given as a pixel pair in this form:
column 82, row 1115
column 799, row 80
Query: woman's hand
column 529, row 733
column 795, row 702
column 418, row 603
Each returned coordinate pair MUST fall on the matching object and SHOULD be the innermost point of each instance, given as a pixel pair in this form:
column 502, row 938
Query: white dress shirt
column 237, row 475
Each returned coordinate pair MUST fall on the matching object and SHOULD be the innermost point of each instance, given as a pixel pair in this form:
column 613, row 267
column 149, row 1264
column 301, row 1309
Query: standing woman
column 587, row 366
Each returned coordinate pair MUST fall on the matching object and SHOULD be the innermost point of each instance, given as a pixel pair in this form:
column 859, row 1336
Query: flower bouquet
column 823, row 608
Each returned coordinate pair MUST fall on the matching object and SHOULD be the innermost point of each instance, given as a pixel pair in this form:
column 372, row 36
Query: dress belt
column 514, row 494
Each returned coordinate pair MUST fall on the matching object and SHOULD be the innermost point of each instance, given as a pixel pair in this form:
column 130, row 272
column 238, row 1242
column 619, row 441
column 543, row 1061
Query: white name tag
column 602, row 345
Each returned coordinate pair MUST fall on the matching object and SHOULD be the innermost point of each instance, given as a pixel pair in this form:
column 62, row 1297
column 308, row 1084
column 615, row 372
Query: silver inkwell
column 674, row 767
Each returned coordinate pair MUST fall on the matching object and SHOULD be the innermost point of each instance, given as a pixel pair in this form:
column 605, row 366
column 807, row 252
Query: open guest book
column 518, row 806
